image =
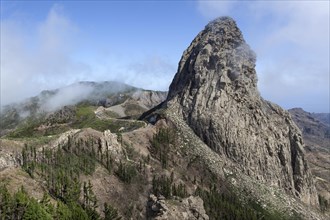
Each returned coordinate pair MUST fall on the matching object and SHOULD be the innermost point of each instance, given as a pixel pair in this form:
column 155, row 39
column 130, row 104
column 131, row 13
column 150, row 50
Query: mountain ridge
column 52, row 102
column 316, row 135
column 220, row 102
column 214, row 149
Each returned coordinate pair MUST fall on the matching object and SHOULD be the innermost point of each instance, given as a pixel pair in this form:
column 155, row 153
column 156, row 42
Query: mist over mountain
column 50, row 100
column 215, row 91
column 210, row 148
column 105, row 94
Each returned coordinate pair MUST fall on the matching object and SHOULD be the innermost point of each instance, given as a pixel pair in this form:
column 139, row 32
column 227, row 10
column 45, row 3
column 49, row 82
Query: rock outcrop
column 90, row 140
column 190, row 208
column 216, row 90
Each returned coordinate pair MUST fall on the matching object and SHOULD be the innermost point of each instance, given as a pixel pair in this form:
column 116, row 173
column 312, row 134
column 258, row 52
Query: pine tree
column 20, row 204
column 5, row 203
column 110, row 213
column 63, row 212
column 35, row 211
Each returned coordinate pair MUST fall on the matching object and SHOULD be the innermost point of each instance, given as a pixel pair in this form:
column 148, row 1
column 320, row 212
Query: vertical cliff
column 216, row 89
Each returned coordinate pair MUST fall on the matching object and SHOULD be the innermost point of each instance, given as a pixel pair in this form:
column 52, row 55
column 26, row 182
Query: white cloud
column 45, row 57
column 69, row 95
column 37, row 58
column 154, row 72
column 291, row 39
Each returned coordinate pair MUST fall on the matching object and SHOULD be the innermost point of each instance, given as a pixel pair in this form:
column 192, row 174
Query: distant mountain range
column 113, row 105
column 315, row 128
column 210, row 148
column 322, row 117
column 125, row 100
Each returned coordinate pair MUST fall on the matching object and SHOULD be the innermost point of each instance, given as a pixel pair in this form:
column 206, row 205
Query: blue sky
column 50, row 44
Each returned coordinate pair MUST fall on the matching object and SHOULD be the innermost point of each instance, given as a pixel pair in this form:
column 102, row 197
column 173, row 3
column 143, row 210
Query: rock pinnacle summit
column 215, row 88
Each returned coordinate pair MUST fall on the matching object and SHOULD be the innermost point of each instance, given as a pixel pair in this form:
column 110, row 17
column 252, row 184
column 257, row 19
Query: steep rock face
column 216, row 88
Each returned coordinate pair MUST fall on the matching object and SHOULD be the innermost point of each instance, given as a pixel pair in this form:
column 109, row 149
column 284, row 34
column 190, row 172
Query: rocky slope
column 214, row 149
column 216, row 90
column 322, row 117
column 316, row 135
column 315, row 132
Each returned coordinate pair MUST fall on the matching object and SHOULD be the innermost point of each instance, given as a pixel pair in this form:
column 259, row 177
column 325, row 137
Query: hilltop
column 210, row 148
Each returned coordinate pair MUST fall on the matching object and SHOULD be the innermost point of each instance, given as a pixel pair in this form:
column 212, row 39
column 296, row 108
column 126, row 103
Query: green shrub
column 165, row 186
column 126, row 172
column 162, row 142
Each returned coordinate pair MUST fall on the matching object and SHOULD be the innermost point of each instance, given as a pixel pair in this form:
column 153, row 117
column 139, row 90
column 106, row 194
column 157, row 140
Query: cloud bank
column 44, row 56
column 37, row 58
column 291, row 40
column 69, row 95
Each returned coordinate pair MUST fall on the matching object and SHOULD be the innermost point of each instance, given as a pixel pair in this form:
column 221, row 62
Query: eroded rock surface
column 216, row 88
column 182, row 209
